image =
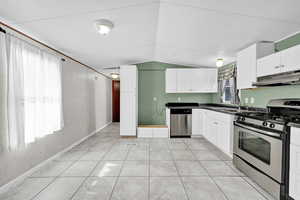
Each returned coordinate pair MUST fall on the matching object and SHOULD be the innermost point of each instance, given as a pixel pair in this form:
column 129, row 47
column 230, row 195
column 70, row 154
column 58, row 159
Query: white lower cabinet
column 294, row 184
column 218, row 129
column 152, row 132
column 197, row 122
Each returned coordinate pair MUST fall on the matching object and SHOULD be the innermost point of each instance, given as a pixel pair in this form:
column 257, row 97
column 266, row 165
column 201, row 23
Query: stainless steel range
column 261, row 145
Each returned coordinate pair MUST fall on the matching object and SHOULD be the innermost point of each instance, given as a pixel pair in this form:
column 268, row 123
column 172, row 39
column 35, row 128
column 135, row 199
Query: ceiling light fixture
column 104, row 26
column 114, row 75
column 219, row 62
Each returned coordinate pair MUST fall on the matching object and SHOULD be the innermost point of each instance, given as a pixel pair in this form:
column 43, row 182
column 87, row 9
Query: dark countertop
column 292, row 124
column 223, row 108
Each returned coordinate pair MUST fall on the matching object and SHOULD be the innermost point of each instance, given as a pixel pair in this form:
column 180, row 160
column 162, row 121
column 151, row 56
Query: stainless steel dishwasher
column 181, row 122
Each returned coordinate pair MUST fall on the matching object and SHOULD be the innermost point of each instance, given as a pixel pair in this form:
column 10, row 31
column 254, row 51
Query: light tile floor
column 107, row 167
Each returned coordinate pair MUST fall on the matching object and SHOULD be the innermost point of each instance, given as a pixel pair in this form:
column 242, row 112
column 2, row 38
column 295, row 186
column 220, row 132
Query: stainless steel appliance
column 181, row 122
column 261, row 145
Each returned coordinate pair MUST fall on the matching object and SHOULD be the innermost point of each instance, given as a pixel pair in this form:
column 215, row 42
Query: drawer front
column 160, row 132
column 145, row 132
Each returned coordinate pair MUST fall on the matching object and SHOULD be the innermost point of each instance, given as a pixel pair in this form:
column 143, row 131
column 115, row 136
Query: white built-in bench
column 153, row 131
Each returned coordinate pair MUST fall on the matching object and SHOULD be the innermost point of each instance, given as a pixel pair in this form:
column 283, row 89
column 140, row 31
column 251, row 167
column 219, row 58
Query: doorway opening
column 116, row 101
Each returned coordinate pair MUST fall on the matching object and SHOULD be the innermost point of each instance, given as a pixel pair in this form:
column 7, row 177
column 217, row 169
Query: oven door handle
column 273, row 134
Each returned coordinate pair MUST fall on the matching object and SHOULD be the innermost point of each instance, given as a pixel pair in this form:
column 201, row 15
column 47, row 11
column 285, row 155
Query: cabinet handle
column 277, row 67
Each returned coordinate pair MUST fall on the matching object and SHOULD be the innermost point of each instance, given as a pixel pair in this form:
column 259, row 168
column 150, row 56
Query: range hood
column 287, row 78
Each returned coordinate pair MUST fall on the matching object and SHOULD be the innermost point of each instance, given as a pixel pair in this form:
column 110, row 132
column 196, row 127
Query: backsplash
column 261, row 96
column 152, row 95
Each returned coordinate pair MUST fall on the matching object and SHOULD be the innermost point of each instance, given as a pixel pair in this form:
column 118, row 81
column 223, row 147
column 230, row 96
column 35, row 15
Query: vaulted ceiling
column 187, row 32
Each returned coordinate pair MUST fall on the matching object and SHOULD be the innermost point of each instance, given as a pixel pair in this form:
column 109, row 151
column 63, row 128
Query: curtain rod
column 51, row 48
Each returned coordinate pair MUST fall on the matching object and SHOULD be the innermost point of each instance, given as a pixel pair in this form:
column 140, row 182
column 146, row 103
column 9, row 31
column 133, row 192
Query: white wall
column 87, row 107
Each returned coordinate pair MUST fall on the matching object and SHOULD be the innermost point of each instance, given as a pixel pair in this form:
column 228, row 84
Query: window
column 227, row 84
column 227, row 91
column 35, row 93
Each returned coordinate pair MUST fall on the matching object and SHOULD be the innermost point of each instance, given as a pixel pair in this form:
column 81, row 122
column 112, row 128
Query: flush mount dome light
column 114, row 75
column 219, row 62
column 103, row 26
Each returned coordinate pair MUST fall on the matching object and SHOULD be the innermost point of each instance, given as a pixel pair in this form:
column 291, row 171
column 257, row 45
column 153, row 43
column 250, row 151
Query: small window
column 227, row 91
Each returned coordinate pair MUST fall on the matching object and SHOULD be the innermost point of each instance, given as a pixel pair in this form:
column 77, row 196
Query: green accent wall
column 151, row 77
column 288, row 42
column 263, row 95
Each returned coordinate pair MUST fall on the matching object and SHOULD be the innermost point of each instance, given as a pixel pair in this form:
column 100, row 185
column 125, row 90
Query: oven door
column 259, row 148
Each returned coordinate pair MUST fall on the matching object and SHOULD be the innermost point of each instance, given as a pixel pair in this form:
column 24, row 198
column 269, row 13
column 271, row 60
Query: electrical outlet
column 252, row 100
column 178, row 99
column 154, row 99
column 246, row 100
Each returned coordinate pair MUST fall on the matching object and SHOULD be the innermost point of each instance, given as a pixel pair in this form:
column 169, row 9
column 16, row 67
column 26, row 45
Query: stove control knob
column 243, row 118
column 265, row 124
column 272, row 125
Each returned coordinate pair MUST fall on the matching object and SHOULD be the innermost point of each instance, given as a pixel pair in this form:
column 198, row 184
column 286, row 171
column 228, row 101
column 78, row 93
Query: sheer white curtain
column 3, row 93
column 35, row 93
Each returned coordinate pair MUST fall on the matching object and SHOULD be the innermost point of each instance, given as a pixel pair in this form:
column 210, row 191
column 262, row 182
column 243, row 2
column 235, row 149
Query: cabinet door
column 246, row 67
column 212, row 130
column 145, row 132
column 185, row 80
column 197, row 122
column 204, row 80
column 128, row 78
column 269, row 65
column 160, row 133
column 295, row 172
column 290, row 59
column 223, row 140
column 128, row 114
column 171, row 81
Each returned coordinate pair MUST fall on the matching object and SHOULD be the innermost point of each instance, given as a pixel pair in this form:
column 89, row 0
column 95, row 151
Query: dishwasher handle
column 181, row 111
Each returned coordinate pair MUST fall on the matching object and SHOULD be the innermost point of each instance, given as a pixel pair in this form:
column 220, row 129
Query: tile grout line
column 118, row 177
column 55, row 178
column 180, row 177
column 85, row 179
column 212, row 179
column 266, row 198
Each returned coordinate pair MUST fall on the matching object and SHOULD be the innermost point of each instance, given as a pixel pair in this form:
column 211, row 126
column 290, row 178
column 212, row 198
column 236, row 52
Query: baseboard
column 25, row 175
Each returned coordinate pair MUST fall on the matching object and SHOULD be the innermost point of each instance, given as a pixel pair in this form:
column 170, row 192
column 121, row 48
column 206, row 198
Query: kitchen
column 201, row 113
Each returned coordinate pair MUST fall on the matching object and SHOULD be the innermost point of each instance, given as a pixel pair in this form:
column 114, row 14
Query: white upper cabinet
column 200, row 80
column 128, row 100
column 269, row 65
column 171, row 80
column 246, row 67
column 283, row 61
column 246, row 63
column 128, row 77
column 290, row 59
column 185, row 80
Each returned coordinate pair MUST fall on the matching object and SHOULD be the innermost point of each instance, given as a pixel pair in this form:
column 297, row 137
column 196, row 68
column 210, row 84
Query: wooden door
column 116, row 100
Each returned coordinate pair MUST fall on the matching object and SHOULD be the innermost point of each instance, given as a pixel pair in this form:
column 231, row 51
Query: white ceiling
column 189, row 32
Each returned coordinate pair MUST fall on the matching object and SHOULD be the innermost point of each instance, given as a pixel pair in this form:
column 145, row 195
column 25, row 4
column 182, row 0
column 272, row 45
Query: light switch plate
column 252, row 100
column 246, row 100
